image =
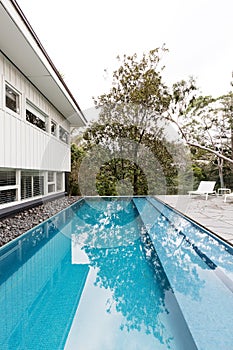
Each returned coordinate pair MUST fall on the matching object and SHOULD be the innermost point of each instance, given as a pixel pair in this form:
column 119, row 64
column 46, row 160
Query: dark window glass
column 26, row 185
column 7, row 178
column 7, row 196
column 53, row 128
column 32, row 184
column 38, row 185
column 33, row 119
column 51, row 188
column 12, row 99
column 50, row 176
column 63, row 135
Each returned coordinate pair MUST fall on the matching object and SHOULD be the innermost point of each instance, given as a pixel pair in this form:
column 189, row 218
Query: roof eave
column 34, row 62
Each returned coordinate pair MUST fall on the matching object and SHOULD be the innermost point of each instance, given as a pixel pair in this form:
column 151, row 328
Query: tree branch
column 210, row 150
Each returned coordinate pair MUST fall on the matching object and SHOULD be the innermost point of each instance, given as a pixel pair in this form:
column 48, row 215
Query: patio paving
column 213, row 213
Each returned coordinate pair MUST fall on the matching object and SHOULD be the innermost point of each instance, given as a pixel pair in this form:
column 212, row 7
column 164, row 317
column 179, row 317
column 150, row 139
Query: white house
column 37, row 111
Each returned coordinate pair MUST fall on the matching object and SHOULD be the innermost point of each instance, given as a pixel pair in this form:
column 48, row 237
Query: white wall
column 23, row 145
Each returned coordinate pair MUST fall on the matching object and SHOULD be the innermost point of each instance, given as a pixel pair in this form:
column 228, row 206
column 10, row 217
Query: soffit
column 19, row 45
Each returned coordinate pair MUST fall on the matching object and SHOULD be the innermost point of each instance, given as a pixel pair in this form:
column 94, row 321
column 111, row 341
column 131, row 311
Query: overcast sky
column 84, row 37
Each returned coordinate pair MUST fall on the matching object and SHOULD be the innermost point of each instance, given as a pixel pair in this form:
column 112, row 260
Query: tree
column 116, row 154
column 227, row 110
column 209, row 127
column 203, row 122
column 77, row 155
column 197, row 116
column 135, row 102
column 130, row 128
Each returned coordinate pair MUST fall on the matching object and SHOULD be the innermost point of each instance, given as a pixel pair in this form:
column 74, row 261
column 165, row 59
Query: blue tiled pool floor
column 100, row 276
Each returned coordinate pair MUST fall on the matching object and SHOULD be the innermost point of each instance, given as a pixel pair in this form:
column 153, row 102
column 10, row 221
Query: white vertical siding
column 24, row 146
column 11, row 75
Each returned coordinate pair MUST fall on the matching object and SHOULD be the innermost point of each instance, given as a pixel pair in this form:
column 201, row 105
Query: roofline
column 38, row 42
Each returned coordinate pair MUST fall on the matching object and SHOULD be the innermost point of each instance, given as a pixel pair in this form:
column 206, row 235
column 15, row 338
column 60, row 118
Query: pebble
column 14, row 226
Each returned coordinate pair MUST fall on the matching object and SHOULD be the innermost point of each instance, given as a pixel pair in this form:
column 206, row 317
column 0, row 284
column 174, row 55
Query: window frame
column 31, row 175
column 51, row 183
column 37, row 113
column 9, row 187
column 16, row 112
column 65, row 132
column 53, row 123
column 59, row 181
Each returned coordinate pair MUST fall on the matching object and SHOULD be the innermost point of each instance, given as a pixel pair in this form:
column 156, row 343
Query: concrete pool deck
column 213, row 213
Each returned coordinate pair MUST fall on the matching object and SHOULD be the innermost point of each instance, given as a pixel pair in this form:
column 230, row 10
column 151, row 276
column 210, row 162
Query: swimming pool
column 116, row 273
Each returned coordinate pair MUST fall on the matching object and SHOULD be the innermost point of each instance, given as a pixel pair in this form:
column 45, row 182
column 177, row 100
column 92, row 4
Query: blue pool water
column 116, row 274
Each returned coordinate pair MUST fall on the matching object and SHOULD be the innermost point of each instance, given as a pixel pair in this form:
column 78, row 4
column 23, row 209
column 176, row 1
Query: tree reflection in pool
column 119, row 249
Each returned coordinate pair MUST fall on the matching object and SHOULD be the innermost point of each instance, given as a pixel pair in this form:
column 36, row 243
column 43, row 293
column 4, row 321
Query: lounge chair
column 228, row 195
column 205, row 188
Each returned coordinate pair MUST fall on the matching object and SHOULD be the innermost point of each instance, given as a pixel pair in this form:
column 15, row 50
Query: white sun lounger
column 205, row 188
column 228, row 195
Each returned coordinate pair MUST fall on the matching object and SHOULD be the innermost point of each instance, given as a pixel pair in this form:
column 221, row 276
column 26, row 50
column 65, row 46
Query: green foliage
column 135, row 110
column 130, row 170
column 211, row 172
column 77, row 154
column 132, row 126
column 117, row 176
column 199, row 175
column 138, row 82
column 206, row 123
column 138, row 96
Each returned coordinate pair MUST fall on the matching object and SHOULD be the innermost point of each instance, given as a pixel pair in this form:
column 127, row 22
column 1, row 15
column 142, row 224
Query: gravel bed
column 14, row 226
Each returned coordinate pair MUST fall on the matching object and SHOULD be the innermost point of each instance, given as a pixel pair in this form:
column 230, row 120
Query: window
column 32, row 184
column 53, row 129
column 63, row 135
column 12, row 99
column 26, row 185
column 51, row 181
column 31, row 118
column 51, row 188
column 50, row 176
column 7, row 196
column 8, row 180
column 59, row 181
column 38, row 185
column 35, row 117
